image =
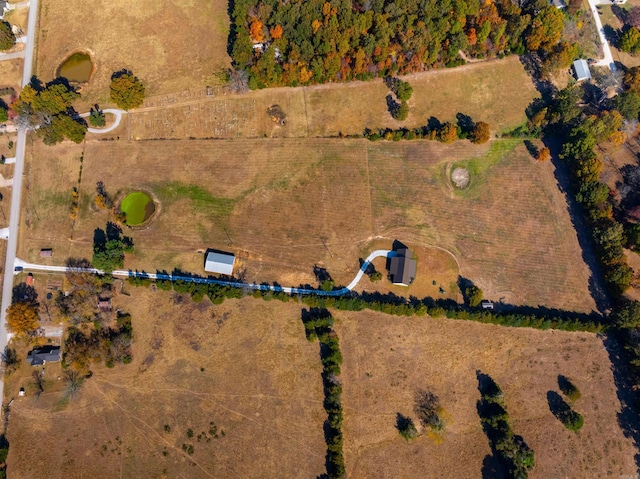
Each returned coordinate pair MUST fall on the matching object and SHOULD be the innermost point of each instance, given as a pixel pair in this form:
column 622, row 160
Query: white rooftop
column 581, row 68
column 221, row 263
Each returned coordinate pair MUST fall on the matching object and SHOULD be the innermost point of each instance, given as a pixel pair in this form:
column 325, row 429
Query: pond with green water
column 138, row 207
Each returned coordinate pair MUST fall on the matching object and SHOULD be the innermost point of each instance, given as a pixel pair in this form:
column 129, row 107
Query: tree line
column 318, row 324
column 317, row 41
column 385, row 303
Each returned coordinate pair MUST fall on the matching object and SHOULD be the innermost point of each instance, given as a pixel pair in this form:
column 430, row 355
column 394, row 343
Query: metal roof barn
column 581, row 68
column 221, row 263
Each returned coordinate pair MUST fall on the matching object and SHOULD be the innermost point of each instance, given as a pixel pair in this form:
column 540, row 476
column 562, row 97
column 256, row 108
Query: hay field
column 171, row 46
column 386, row 360
column 244, row 367
column 496, row 92
column 284, row 206
column 247, row 367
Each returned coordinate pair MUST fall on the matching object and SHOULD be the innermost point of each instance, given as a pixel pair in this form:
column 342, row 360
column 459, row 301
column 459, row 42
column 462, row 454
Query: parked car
column 18, row 268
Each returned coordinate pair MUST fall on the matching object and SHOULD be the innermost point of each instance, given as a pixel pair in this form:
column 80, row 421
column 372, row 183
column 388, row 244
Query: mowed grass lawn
column 170, row 46
column 244, row 368
column 286, row 205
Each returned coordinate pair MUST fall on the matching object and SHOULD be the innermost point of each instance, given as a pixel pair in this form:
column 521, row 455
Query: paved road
column 16, row 191
column 607, row 61
column 118, row 114
column 234, row 284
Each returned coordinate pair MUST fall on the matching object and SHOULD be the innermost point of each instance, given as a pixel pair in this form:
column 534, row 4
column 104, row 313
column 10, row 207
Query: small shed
column 581, row 70
column 558, row 3
column 486, row 304
column 402, row 268
column 104, row 305
column 219, row 262
column 46, row 253
column 44, row 354
column 30, row 279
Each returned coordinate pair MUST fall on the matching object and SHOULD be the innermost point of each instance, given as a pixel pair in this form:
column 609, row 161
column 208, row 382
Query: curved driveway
column 118, row 114
column 234, row 284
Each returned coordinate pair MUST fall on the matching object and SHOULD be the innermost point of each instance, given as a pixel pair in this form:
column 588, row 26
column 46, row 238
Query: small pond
column 138, row 207
column 76, row 68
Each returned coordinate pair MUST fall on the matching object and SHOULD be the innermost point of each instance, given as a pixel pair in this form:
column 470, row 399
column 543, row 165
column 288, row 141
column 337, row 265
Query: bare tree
column 238, row 81
column 38, row 381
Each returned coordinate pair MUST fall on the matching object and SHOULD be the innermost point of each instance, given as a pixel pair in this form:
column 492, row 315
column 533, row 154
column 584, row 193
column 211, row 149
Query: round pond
column 76, row 68
column 138, row 207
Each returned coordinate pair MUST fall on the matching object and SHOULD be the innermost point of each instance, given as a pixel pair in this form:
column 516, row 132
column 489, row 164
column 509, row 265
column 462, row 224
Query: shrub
column 572, row 420
column 375, row 276
column 402, row 111
column 473, row 296
column 127, row 91
column 404, row 91
column 406, row 427
column 480, row 133
column 569, row 389
column 97, row 118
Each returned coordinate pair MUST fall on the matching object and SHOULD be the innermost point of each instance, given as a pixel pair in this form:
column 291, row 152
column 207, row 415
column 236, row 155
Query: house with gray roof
column 402, row 268
column 43, row 354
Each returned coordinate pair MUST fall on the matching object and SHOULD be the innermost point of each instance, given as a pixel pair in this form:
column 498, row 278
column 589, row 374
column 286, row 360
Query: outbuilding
column 219, row 262
column 486, row 304
column 402, row 268
column 581, row 69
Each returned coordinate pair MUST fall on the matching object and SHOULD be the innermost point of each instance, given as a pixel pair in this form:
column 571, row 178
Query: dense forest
column 291, row 42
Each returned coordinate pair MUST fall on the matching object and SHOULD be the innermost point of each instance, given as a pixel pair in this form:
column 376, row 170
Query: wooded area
column 317, row 41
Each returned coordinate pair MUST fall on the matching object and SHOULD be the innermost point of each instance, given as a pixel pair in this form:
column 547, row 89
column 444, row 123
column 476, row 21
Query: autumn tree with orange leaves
column 544, row 154
column 255, row 30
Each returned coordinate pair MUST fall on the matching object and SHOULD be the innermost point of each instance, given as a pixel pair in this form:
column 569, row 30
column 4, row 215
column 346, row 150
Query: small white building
column 581, row 69
column 218, row 262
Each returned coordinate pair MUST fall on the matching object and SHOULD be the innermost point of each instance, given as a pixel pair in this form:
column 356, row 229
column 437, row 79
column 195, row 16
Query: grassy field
column 170, row 46
column 284, row 206
column 247, row 368
column 244, row 367
column 387, row 360
column 496, row 92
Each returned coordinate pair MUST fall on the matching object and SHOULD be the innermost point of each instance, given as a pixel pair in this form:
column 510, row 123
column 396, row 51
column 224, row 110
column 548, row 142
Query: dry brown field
column 244, row 367
column 386, row 360
column 172, row 46
column 284, row 206
column 496, row 92
column 247, row 367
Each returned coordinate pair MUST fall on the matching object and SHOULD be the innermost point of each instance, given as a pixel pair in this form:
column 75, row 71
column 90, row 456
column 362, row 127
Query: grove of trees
column 7, row 38
column 317, row 41
column 48, row 108
column 109, row 248
column 22, row 315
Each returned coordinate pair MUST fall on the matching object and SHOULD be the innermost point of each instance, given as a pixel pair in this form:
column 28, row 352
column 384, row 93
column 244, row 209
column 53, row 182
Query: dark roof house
column 44, row 354
column 403, row 267
column 219, row 262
